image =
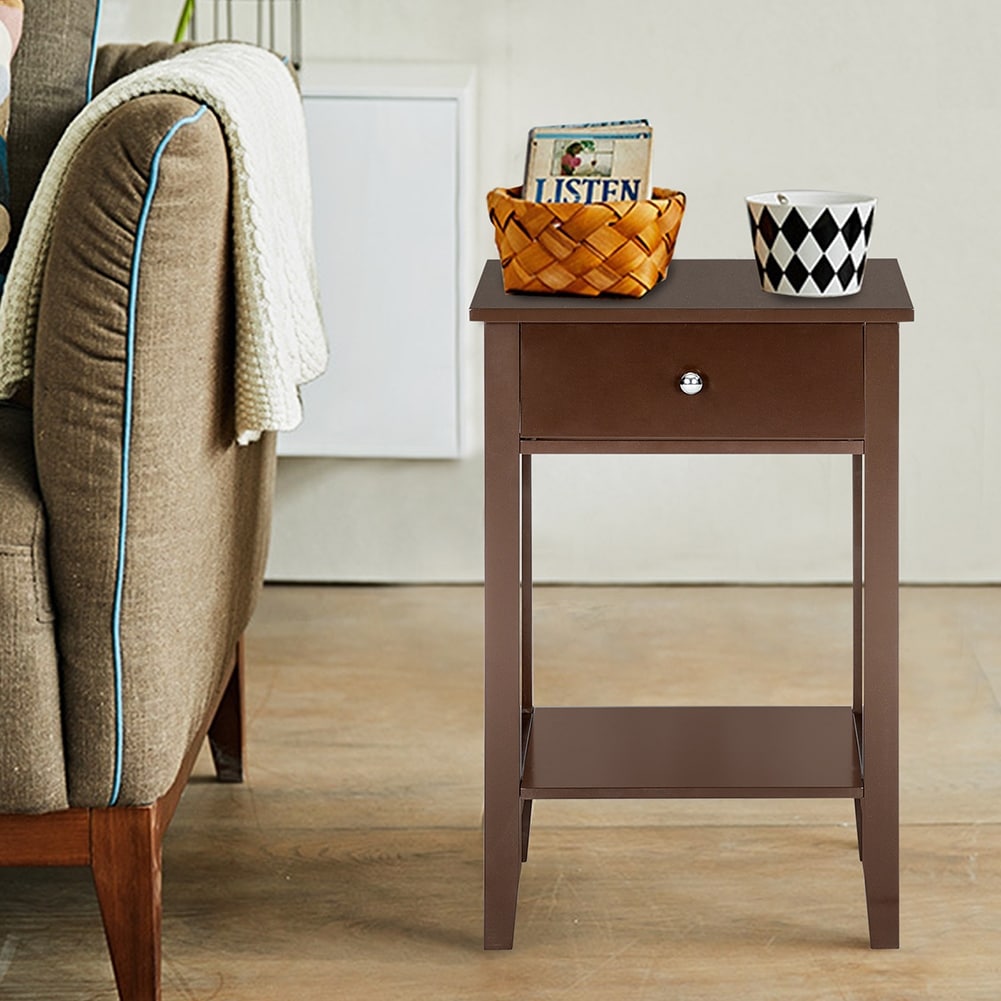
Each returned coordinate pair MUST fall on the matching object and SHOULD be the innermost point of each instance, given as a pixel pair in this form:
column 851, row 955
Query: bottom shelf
column 704, row 752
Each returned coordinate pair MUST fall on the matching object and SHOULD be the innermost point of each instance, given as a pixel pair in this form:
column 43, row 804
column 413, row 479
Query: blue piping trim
column 93, row 52
column 123, row 509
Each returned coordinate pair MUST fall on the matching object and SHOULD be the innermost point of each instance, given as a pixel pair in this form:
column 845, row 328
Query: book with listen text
column 591, row 162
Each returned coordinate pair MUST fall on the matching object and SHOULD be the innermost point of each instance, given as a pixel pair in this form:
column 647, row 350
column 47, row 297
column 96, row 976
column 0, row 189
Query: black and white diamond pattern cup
column 811, row 243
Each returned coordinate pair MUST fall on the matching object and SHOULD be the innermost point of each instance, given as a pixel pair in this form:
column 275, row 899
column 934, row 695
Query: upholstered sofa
column 133, row 529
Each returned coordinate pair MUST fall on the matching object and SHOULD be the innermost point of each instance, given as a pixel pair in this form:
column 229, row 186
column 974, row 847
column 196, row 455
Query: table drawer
column 623, row 381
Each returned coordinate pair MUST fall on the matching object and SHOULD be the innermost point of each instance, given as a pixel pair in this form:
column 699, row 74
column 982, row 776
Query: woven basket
column 604, row 248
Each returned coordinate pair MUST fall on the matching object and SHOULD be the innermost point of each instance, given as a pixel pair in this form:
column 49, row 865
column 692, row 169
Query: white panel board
column 385, row 182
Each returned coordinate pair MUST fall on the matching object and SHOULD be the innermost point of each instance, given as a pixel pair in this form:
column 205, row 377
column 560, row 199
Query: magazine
column 589, row 162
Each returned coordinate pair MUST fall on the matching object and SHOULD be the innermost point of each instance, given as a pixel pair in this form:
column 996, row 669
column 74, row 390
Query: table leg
column 527, row 696
column 526, row 583
column 857, row 482
column 502, row 812
column 880, row 706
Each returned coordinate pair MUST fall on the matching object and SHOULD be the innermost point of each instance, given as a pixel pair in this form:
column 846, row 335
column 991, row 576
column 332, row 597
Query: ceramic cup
column 811, row 243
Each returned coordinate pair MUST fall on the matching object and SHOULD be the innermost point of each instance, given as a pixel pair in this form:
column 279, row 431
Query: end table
column 705, row 362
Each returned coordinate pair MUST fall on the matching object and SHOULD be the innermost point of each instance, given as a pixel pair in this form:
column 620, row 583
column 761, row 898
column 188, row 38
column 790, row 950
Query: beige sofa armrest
column 158, row 522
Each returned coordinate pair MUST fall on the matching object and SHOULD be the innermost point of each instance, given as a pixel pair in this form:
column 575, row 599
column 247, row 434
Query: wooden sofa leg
column 125, row 845
column 226, row 732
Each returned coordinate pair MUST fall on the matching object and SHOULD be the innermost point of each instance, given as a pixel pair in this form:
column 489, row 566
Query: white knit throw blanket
column 279, row 340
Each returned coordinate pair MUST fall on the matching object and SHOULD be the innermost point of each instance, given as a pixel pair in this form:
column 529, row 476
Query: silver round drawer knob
column 691, row 383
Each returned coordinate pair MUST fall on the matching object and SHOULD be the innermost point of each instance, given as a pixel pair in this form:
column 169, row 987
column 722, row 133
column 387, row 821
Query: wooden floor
column 348, row 866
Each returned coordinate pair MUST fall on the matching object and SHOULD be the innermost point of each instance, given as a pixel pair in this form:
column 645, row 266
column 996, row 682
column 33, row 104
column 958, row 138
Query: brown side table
column 705, row 362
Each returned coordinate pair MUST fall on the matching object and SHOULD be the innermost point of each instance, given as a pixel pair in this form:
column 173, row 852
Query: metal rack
column 274, row 24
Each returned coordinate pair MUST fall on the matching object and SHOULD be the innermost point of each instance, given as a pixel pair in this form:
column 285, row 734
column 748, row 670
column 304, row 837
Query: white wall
column 900, row 98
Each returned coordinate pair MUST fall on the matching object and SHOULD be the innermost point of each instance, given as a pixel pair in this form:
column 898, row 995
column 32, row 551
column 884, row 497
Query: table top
column 701, row 291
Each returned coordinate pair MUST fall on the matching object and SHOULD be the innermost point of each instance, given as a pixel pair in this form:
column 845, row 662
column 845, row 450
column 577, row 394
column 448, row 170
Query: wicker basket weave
column 603, row 248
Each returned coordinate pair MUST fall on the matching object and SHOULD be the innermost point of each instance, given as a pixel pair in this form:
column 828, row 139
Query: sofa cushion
column 32, row 771
column 50, row 83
